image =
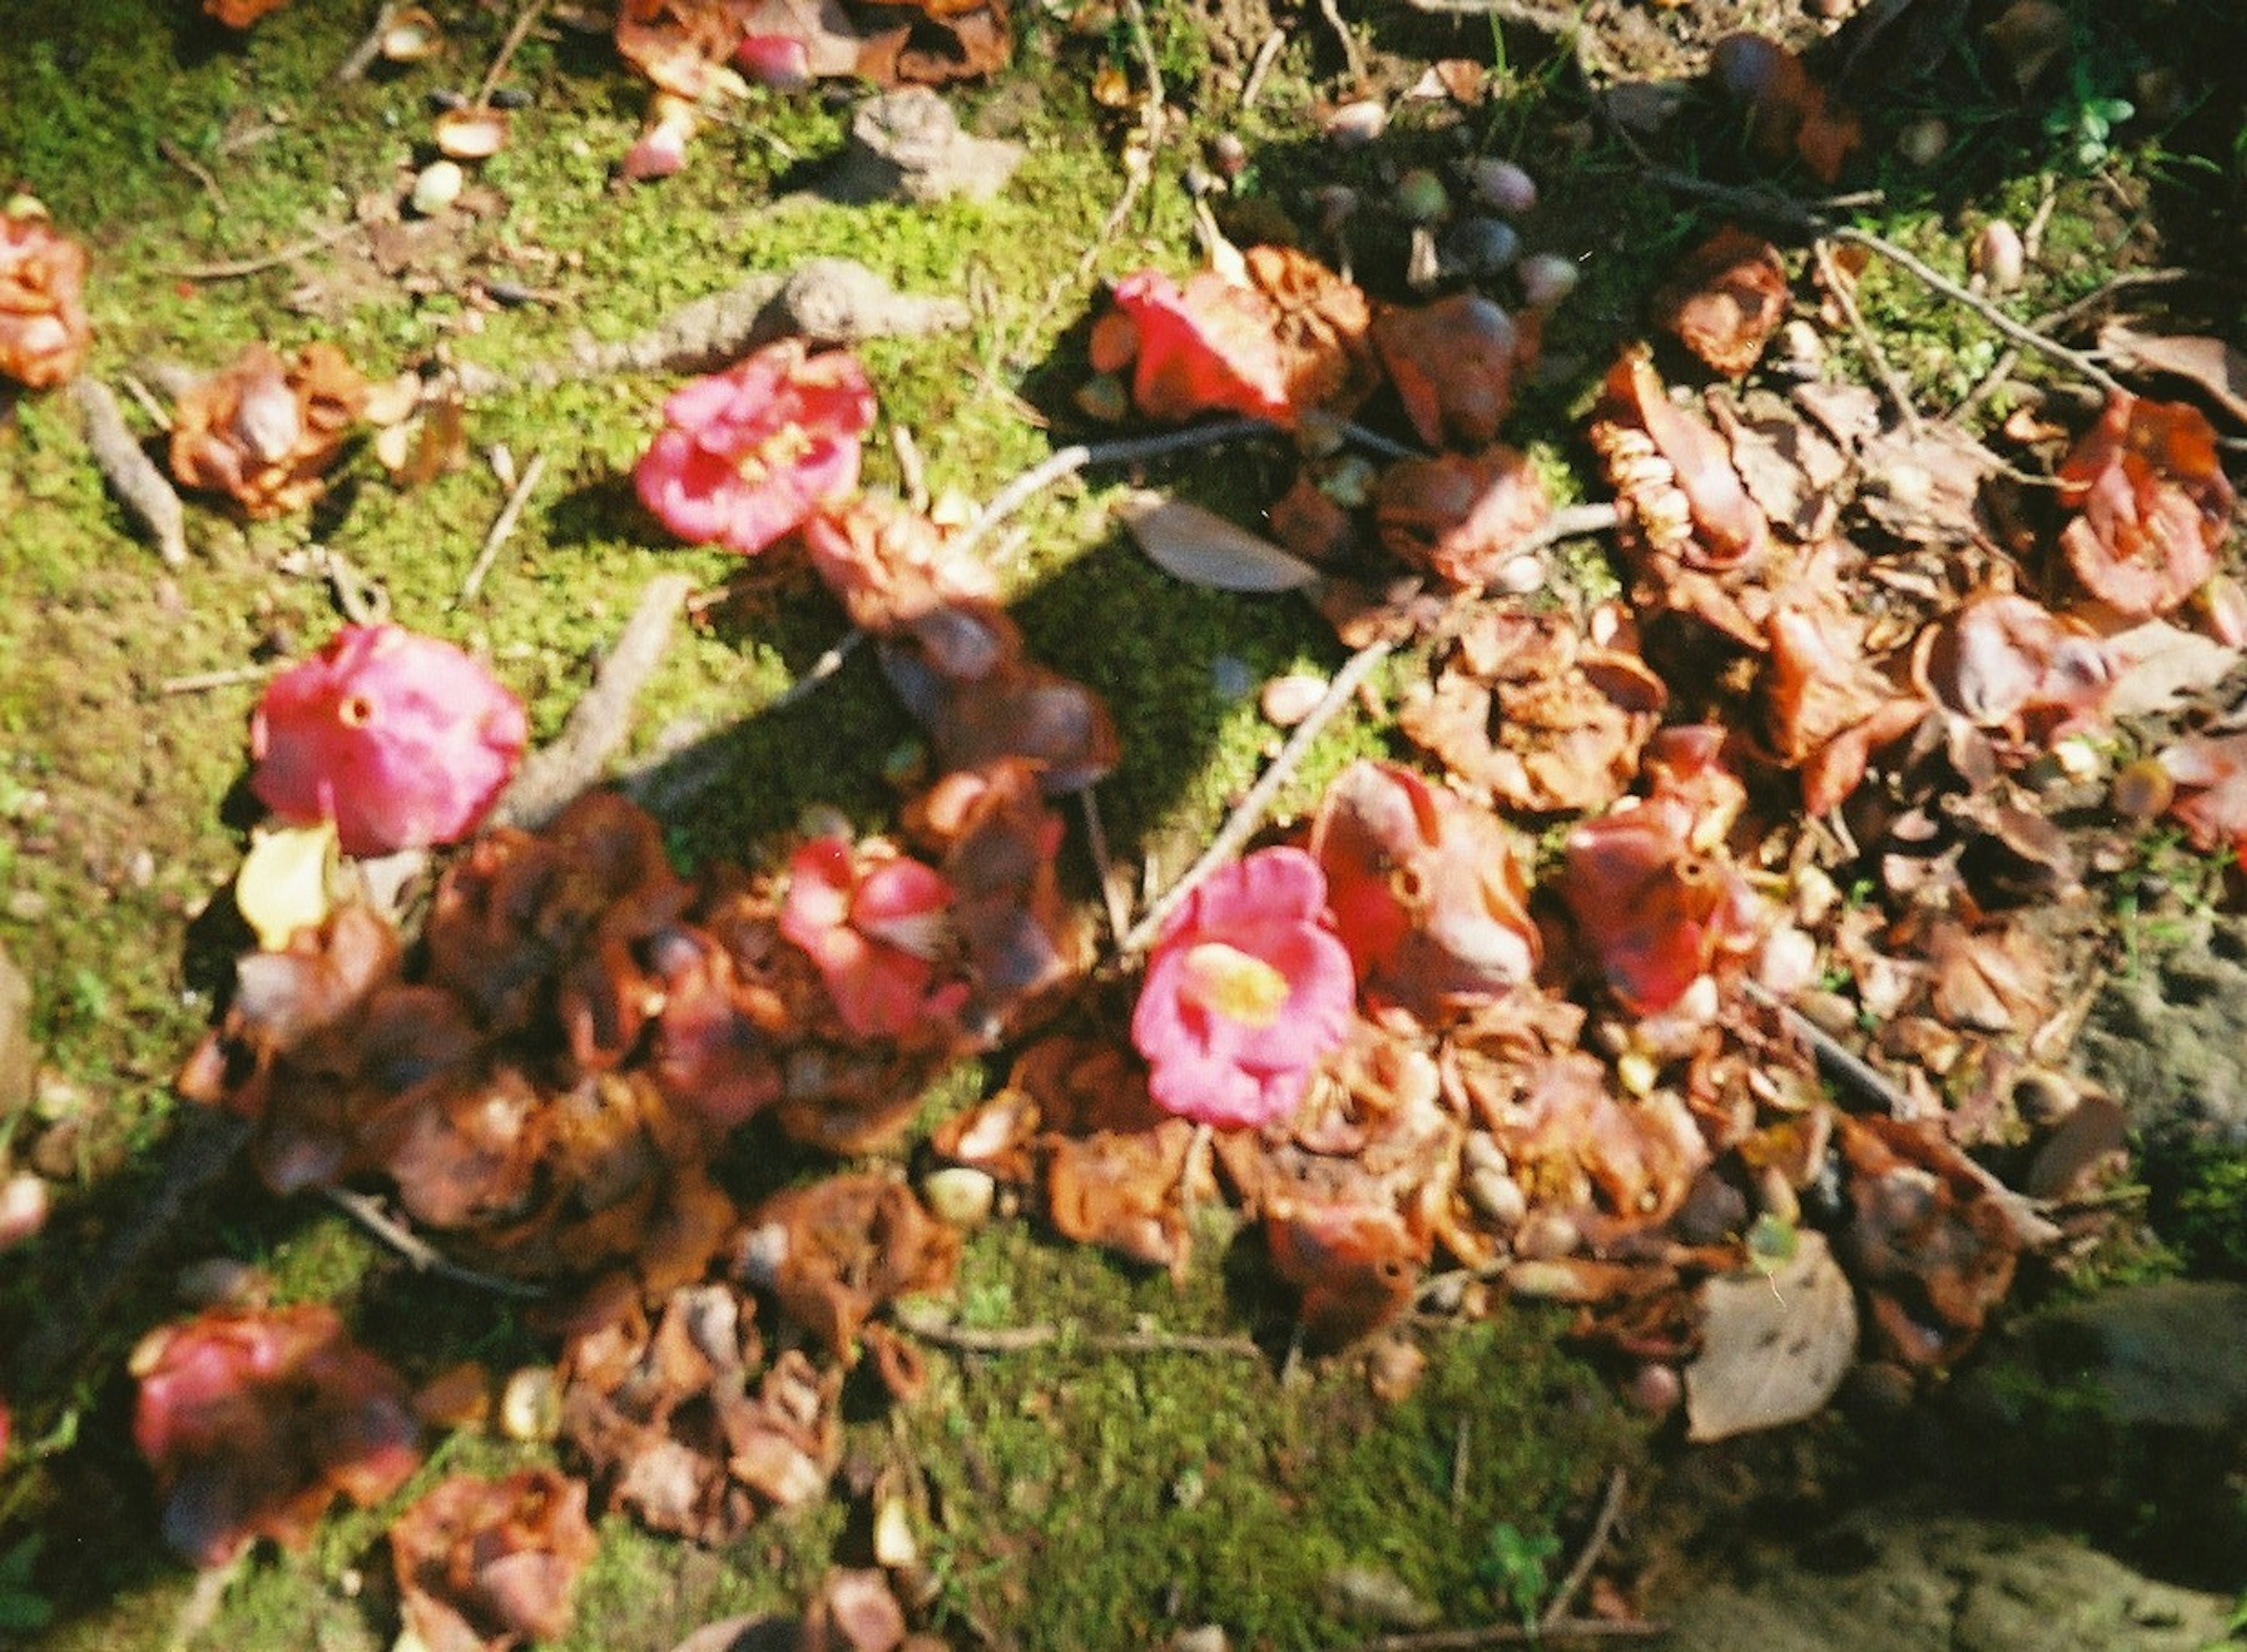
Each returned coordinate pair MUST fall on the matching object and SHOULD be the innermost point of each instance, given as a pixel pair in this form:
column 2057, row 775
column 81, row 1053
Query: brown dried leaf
column 2219, row 370
column 264, row 431
column 1460, row 516
column 1774, row 1345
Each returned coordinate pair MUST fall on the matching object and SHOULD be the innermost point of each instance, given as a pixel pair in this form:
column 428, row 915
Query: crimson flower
column 401, row 739
column 1247, row 990
column 254, row 1419
column 1204, row 347
column 747, row 455
column 876, row 924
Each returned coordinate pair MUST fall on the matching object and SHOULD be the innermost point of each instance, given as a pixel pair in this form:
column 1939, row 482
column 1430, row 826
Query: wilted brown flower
column 2155, row 505
column 1460, row 516
column 264, row 431
column 43, row 330
column 1725, row 299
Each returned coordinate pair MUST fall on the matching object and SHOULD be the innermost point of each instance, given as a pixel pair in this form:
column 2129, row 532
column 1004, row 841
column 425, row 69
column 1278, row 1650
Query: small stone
column 222, row 1281
column 1501, row 185
column 1655, row 1388
column 1286, row 700
column 961, row 1194
column 1478, row 246
column 1547, row 278
column 530, row 1404
column 1997, row 256
column 24, row 1207
column 1924, row 141
column 437, row 187
column 1353, row 125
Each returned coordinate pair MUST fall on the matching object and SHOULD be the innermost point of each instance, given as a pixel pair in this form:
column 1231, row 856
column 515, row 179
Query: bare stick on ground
column 132, row 475
column 1247, row 816
column 503, row 525
column 1016, row 1339
column 602, row 719
column 1556, row 1612
column 367, row 1211
column 228, row 269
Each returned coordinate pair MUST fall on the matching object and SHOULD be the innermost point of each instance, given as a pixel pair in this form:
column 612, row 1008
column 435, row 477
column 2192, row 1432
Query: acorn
column 1421, row 197
column 1501, row 185
column 1547, row 278
column 1998, row 256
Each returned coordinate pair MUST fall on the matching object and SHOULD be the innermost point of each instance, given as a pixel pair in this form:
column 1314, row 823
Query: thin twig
column 1485, row 1635
column 1266, row 54
column 1836, row 1061
column 132, row 475
column 289, row 253
column 1068, row 461
column 912, row 471
column 200, row 1609
column 502, row 525
column 2075, row 360
column 1111, row 888
column 601, row 719
column 1353, row 58
column 2051, row 319
column 363, row 55
column 367, row 1211
column 1570, row 522
column 1596, row 1544
column 1150, row 111
column 203, row 681
column 508, row 49
column 821, row 668
column 1248, row 815
column 194, row 169
column 1837, row 285
column 1017, row 1339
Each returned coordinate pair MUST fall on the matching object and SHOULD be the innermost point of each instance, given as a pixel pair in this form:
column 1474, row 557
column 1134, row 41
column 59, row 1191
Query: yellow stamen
column 1226, row 982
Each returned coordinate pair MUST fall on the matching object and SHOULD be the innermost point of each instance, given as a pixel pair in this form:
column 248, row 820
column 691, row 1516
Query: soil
column 1056, row 1484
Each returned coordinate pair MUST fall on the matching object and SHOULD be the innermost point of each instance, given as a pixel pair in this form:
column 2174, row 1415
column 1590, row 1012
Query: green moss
column 1133, row 1496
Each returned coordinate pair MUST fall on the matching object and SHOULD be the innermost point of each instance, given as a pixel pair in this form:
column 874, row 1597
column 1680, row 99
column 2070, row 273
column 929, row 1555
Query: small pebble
column 1924, row 141
column 1353, row 125
column 1501, row 185
column 437, row 187
column 1547, row 278
column 1231, row 676
column 1286, row 700
column 961, row 1194
column 1479, row 247
column 1997, row 256
column 530, row 1405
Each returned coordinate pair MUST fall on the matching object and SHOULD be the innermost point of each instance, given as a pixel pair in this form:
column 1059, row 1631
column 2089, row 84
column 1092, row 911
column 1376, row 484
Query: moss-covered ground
column 1070, row 1495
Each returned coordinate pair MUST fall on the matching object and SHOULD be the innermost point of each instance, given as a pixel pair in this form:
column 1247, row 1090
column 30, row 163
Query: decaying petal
column 265, row 431
column 1454, row 363
column 1532, row 710
column 1425, row 891
column 2153, row 505
column 835, row 1251
column 487, row 1564
column 1460, row 516
column 1671, row 472
column 254, row 1420
column 1725, row 299
column 44, row 330
column 2004, row 662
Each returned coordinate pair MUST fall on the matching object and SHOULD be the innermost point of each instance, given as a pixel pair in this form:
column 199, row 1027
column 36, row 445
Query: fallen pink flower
column 746, row 455
column 253, row 1420
column 401, row 739
column 660, row 150
column 1247, row 990
column 877, row 922
column 2210, row 774
column 485, row 1564
column 1205, row 347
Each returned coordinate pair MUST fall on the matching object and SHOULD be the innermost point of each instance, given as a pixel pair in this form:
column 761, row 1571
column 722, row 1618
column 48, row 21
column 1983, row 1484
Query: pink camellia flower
column 1248, row 989
column 254, row 1419
column 401, row 739
column 747, row 455
column 1204, row 347
column 876, row 924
